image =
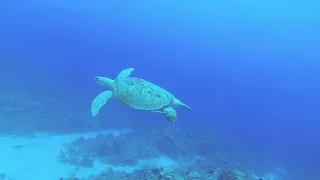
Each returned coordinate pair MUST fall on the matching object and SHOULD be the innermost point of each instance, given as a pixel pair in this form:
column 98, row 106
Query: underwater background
column 249, row 69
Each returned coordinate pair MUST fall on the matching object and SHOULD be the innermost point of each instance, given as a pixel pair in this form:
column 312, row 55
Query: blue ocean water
column 249, row 70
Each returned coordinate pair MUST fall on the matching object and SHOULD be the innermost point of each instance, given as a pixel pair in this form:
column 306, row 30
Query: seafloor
column 37, row 144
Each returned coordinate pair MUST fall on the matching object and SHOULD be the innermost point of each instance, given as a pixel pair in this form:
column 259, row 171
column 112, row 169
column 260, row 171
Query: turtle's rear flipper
column 169, row 113
column 177, row 102
column 171, row 116
column 99, row 101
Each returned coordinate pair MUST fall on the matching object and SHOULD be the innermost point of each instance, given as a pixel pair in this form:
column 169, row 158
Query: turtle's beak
column 104, row 81
column 98, row 80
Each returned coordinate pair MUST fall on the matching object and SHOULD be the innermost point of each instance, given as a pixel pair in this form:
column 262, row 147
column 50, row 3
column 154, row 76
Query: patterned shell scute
column 141, row 94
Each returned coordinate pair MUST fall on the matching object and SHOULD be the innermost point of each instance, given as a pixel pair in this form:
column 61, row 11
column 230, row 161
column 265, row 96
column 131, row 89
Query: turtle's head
column 105, row 81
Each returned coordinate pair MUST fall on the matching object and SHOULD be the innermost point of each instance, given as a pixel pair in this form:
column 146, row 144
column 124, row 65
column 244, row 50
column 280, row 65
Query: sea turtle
column 138, row 94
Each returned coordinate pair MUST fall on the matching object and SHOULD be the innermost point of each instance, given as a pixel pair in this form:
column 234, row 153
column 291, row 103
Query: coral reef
column 127, row 149
column 163, row 174
column 119, row 151
column 232, row 175
column 2, row 176
column 196, row 158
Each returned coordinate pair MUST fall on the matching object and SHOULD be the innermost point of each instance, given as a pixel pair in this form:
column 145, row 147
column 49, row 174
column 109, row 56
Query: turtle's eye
column 96, row 78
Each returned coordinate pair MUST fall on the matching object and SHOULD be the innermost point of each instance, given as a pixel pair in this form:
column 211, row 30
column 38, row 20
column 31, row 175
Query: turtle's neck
column 109, row 83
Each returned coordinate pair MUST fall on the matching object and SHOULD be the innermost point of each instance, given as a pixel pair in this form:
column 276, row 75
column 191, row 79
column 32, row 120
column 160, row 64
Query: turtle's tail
column 177, row 102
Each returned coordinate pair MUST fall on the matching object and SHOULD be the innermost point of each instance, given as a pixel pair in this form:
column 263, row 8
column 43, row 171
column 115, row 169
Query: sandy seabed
column 35, row 157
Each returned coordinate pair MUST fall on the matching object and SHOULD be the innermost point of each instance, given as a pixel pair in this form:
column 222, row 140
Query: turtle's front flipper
column 99, row 101
column 169, row 113
column 125, row 73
